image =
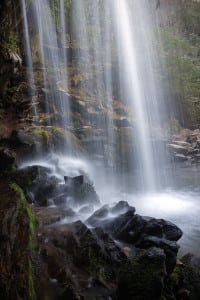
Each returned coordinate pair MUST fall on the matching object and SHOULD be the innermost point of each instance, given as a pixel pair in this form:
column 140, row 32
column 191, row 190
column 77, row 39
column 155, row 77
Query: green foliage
column 183, row 67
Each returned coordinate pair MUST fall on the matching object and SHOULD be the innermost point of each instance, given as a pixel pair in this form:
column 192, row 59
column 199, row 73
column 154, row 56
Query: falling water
column 29, row 59
column 92, row 35
column 100, row 29
column 140, row 86
column 53, row 58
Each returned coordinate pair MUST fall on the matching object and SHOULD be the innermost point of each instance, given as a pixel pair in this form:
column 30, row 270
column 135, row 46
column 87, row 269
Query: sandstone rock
column 173, row 148
column 182, row 143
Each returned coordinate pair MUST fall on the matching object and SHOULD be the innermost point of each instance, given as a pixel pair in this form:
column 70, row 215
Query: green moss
column 33, row 246
column 31, row 281
column 57, row 131
column 142, row 277
column 11, row 43
column 186, row 277
column 42, row 134
column 68, row 292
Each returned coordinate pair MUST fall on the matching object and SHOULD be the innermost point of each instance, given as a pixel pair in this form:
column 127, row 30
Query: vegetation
column 181, row 51
column 11, row 42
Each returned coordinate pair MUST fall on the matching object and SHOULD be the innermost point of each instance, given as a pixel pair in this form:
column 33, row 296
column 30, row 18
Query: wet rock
column 7, row 161
column 142, row 232
column 44, row 187
column 77, row 194
column 77, row 180
column 122, row 122
column 97, row 218
column 196, row 158
column 191, row 260
column 143, row 276
column 121, row 207
column 105, row 216
column 170, row 248
column 20, row 137
column 86, row 209
column 182, row 144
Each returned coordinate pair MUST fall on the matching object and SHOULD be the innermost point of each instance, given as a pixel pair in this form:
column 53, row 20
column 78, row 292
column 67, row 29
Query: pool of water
column 181, row 208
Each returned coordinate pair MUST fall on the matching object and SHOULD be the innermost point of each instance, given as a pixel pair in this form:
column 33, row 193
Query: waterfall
column 94, row 65
column 141, row 88
column 29, row 59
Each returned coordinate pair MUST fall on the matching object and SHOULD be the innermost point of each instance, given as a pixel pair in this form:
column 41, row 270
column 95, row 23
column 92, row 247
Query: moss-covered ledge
column 18, row 244
column 24, row 208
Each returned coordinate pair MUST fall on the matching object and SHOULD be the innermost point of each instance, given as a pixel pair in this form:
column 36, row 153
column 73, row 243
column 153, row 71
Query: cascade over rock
column 87, row 119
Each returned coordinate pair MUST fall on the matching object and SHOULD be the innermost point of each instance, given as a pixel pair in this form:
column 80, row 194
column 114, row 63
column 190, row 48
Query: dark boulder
column 44, row 187
column 77, row 193
column 142, row 232
column 170, row 248
column 77, row 180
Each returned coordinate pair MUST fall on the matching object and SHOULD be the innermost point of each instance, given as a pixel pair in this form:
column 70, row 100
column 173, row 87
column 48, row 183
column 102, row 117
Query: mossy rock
column 25, row 177
column 143, row 276
column 51, row 138
column 18, row 244
column 186, row 278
